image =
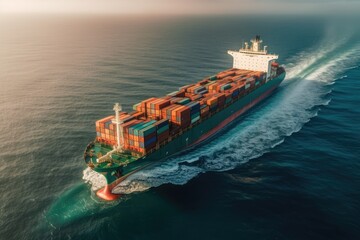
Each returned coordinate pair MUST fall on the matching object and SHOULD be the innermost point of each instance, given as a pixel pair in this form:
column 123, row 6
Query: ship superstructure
column 253, row 57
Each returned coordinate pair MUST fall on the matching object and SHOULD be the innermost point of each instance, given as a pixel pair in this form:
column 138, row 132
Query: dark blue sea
column 288, row 169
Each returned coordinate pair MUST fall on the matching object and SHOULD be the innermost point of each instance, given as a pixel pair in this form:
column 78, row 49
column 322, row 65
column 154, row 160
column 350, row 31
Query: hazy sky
column 179, row 6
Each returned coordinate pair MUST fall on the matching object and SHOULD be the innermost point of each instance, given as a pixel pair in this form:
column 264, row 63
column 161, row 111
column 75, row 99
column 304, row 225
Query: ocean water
column 288, row 169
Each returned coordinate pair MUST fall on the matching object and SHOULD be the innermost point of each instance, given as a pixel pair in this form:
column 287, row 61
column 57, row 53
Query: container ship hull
column 194, row 136
column 116, row 164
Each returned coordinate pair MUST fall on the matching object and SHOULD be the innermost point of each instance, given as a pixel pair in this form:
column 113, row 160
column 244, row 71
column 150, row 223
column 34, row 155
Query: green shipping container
column 197, row 114
column 184, row 101
column 145, row 125
column 213, row 78
column 195, row 119
column 146, row 131
column 163, row 129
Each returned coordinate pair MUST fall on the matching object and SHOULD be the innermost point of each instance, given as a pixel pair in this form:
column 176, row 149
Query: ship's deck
column 117, row 159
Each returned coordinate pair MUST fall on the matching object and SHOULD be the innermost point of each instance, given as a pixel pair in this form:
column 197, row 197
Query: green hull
column 199, row 133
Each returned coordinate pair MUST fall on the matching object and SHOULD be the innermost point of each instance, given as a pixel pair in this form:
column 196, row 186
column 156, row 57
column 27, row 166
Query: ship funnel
column 256, row 44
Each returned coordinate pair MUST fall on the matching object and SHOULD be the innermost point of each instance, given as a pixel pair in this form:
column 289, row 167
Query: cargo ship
column 160, row 127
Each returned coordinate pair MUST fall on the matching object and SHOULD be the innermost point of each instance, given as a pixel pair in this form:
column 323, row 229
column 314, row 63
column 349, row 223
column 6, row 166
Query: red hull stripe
column 233, row 116
column 106, row 194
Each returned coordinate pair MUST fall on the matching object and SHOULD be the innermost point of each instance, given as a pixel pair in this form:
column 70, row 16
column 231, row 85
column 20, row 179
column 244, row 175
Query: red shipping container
column 144, row 139
column 163, row 136
column 181, row 93
column 183, row 113
column 184, row 88
column 150, row 102
column 203, row 82
column 164, row 103
column 143, row 103
column 164, row 111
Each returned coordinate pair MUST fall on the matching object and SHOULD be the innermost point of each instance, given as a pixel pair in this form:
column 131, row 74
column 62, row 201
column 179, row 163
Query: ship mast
column 117, row 109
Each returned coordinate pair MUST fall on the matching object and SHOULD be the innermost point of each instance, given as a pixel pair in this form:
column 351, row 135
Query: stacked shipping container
column 155, row 118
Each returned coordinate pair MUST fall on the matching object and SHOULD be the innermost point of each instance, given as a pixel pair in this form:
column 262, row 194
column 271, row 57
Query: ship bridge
column 253, row 57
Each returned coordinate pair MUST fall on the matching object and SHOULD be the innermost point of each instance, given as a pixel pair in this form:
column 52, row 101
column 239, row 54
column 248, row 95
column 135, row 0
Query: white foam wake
column 306, row 62
column 286, row 113
column 96, row 180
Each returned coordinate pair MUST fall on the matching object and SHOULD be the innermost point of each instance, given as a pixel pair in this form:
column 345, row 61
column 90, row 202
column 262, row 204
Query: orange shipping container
column 105, row 119
column 138, row 115
column 222, row 75
column 162, row 104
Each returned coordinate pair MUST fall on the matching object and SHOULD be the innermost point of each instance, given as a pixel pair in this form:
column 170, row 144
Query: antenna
column 117, row 109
